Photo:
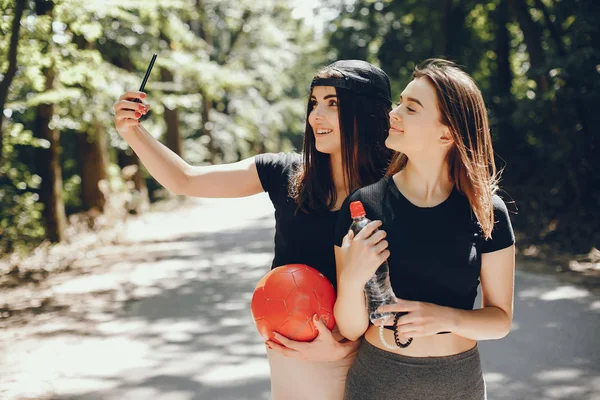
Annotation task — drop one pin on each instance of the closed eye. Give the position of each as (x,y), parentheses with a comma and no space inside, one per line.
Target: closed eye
(409,109)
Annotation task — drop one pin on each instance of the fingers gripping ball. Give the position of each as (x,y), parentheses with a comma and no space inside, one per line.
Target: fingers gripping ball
(286,299)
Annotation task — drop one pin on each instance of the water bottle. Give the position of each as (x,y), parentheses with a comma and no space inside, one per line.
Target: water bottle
(378,289)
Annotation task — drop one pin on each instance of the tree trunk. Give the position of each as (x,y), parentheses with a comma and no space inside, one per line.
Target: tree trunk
(555,30)
(447,26)
(502,82)
(172,136)
(48,160)
(92,153)
(200,25)
(557,36)
(129,159)
(49,168)
(92,160)
(532,36)
(207,128)
(235,36)
(201,29)
(12,65)
(502,47)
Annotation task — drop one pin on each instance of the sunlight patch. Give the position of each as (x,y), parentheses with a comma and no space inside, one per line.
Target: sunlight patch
(565,292)
(250,369)
(565,392)
(119,326)
(91,283)
(494,377)
(79,386)
(565,374)
(152,393)
(595,306)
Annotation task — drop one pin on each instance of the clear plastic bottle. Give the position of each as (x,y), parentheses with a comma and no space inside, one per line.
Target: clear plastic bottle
(378,289)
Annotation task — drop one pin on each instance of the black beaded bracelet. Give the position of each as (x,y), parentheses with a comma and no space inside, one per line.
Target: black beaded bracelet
(396,338)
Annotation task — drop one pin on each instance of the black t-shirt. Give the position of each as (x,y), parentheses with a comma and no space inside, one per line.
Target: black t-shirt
(435,253)
(299,237)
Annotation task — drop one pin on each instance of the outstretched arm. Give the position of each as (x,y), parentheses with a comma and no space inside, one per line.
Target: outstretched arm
(228,180)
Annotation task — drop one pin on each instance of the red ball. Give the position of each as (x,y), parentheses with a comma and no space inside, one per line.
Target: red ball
(286,299)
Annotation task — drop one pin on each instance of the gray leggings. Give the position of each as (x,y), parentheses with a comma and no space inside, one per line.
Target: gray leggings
(380,375)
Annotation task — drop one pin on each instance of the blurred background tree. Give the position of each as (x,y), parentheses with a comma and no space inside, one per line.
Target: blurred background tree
(231,80)
(537,63)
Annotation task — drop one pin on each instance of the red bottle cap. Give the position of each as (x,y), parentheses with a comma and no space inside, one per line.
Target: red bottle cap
(357,209)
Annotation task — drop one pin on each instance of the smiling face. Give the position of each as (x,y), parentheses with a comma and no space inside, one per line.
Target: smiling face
(415,124)
(451,120)
(324,119)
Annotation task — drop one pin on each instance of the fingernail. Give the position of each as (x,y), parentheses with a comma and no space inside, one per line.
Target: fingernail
(138,114)
(316,317)
(143,95)
(268,345)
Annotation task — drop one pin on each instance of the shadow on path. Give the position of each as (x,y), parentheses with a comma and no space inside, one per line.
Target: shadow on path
(169,320)
(553,350)
(166,316)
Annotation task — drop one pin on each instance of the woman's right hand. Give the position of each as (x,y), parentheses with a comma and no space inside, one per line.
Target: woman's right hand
(363,254)
(325,347)
(128,112)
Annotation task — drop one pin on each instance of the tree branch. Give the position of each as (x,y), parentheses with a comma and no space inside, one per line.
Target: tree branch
(12,63)
(236,35)
(532,36)
(554,30)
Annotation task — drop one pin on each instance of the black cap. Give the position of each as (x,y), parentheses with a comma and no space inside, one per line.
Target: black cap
(360,77)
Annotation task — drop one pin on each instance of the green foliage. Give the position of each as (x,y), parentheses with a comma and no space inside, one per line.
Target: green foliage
(542,119)
(238,73)
(250,61)
(21,213)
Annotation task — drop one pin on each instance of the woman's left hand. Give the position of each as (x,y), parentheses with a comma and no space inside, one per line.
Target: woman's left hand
(422,319)
(323,348)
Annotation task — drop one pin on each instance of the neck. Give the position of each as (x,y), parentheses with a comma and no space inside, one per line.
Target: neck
(426,181)
(337,173)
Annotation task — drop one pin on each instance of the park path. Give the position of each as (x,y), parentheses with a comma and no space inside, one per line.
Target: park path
(164,315)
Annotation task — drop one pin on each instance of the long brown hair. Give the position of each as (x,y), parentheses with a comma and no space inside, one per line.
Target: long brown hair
(471,158)
(364,126)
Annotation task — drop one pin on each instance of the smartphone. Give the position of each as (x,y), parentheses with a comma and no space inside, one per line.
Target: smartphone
(146,76)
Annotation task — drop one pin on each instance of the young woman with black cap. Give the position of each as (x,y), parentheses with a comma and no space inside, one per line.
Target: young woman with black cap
(444,230)
(343,150)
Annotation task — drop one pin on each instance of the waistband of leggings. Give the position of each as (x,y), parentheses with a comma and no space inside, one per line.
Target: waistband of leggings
(429,361)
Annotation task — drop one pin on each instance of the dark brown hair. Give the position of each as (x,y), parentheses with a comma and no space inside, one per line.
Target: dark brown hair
(471,158)
(364,126)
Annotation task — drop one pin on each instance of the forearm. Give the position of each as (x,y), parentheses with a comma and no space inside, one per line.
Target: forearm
(163,164)
(483,324)
(351,311)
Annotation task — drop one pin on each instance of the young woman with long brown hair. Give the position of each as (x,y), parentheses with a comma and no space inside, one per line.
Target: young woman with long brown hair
(443,231)
(343,150)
